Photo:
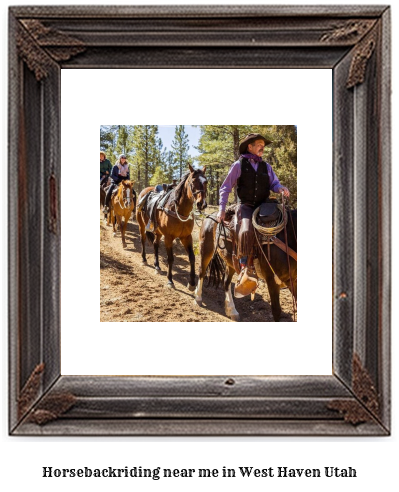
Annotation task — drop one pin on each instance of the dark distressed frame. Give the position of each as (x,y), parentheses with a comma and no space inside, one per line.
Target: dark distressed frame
(353,41)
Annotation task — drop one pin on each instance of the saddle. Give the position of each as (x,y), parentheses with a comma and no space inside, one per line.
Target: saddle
(115,191)
(268,215)
(229,232)
(153,201)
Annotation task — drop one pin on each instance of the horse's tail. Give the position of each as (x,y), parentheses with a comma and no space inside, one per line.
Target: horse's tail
(150,236)
(215,270)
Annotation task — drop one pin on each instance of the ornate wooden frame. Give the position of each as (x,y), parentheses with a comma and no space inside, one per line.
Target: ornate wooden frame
(353,41)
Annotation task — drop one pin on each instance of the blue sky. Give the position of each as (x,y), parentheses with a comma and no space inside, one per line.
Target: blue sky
(167,134)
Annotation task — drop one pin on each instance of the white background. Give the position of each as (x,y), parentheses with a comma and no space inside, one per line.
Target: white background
(196,97)
(22,458)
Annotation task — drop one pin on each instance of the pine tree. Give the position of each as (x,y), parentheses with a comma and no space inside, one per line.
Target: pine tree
(108,141)
(122,138)
(144,153)
(171,168)
(282,155)
(106,137)
(180,148)
(158,177)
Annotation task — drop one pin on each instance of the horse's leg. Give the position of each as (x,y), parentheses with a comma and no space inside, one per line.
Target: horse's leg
(274,291)
(229,305)
(187,242)
(169,251)
(118,220)
(122,226)
(156,251)
(141,222)
(112,215)
(207,246)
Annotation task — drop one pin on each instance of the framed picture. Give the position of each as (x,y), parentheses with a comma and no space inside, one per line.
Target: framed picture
(351,41)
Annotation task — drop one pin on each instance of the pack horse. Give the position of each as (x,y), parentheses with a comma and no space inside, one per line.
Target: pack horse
(171,216)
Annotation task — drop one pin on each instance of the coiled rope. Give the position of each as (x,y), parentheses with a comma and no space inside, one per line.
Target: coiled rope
(271,231)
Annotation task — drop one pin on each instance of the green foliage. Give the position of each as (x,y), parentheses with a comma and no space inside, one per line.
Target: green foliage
(282,155)
(114,141)
(158,177)
(180,148)
(145,153)
(169,165)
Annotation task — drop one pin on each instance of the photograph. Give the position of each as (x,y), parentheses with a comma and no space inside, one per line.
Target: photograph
(204,217)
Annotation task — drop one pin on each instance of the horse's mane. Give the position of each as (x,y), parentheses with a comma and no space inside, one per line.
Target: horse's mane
(180,187)
(127,183)
(178,191)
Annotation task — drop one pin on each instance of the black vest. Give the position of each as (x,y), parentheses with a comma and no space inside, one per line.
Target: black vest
(253,187)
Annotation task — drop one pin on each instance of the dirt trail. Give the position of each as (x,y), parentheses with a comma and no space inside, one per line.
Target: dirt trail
(130,291)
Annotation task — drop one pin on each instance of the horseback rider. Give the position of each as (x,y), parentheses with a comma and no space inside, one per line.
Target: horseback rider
(119,173)
(105,168)
(255,179)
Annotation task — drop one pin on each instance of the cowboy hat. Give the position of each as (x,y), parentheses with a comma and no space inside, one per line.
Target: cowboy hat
(250,138)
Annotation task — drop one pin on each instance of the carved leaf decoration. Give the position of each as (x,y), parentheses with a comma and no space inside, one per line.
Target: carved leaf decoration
(36,43)
(35,57)
(52,407)
(363,53)
(363,386)
(351,31)
(364,389)
(352,411)
(63,54)
(30,391)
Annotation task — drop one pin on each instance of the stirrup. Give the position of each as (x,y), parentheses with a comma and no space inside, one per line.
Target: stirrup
(247,282)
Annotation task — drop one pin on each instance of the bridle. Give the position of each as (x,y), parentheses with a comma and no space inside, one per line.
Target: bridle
(193,195)
(126,202)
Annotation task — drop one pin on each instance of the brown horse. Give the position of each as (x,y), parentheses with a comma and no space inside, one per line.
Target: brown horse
(217,253)
(121,207)
(175,221)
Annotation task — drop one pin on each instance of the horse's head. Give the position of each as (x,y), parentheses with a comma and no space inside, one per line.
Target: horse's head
(197,184)
(127,187)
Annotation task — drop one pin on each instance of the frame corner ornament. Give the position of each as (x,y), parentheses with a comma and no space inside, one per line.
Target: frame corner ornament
(40,46)
(30,391)
(361,56)
(51,408)
(367,404)
(351,31)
